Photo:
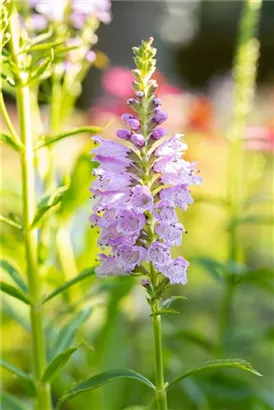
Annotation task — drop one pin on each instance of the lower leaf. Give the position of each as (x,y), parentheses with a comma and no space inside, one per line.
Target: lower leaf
(103,378)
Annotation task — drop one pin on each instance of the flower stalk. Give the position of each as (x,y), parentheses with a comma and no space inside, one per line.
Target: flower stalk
(244,75)
(43,396)
(138,185)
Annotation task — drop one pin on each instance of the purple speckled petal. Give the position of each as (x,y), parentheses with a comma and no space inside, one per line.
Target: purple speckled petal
(130,223)
(159,255)
(179,195)
(141,198)
(171,234)
(176,271)
(164,211)
(108,267)
(128,257)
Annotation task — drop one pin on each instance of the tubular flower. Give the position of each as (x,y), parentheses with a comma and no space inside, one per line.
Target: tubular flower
(140,181)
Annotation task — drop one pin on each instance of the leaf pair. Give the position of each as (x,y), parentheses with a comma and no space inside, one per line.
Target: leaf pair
(116,374)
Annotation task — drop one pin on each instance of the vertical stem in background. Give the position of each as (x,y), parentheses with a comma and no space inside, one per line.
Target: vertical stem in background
(244,74)
(159,367)
(43,397)
(30,236)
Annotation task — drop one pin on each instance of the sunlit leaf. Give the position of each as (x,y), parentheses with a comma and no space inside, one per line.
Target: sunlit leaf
(103,378)
(47,203)
(216,364)
(10,222)
(27,379)
(57,363)
(67,333)
(40,70)
(7,139)
(13,272)
(14,292)
(9,402)
(82,130)
(83,275)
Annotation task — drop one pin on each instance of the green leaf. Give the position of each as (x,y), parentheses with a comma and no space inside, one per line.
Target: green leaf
(83,275)
(215,268)
(14,292)
(40,70)
(9,80)
(67,333)
(7,139)
(10,222)
(57,363)
(41,47)
(168,302)
(164,311)
(252,219)
(47,203)
(12,271)
(216,364)
(103,378)
(20,374)
(82,130)
(9,402)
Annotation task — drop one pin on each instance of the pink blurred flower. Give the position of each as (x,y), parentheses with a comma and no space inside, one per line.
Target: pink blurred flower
(260,138)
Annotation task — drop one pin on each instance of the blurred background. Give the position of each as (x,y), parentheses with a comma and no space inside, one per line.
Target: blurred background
(196,42)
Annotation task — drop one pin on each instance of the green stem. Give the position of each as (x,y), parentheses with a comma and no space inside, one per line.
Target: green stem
(244,74)
(159,367)
(30,237)
(43,397)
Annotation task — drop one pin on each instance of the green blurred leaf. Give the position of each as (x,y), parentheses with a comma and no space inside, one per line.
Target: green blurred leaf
(216,364)
(9,402)
(14,292)
(66,335)
(262,277)
(82,130)
(47,203)
(103,378)
(40,38)
(163,312)
(27,379)
(57,363)
(78,192)
(40,70)
(213,267)
(168,302)
(8,79)
(7,139)
(13,272)
(10,222)
(83,275)
(192,337)
(252,219)
(41,47)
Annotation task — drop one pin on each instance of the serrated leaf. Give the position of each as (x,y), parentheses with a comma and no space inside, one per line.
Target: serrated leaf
(12,271)
(47,203)
(67,333)
(103,378)
(163,312)
(57,363)
(216,364)
(7,139)
(83,275)
(20,374)
(9,402)
(14,292)
(82,130)
(171,300)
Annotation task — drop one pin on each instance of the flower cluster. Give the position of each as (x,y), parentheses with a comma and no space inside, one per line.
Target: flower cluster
(77,11)
(138,185)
